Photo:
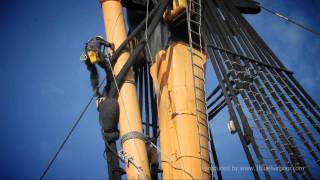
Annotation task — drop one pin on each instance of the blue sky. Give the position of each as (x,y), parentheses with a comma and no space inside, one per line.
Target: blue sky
(44,86)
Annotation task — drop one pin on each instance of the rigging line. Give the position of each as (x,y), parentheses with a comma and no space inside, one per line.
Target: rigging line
(147,72)
(266,83)
(291,21)
(115,25)
(69,134)
(146,34)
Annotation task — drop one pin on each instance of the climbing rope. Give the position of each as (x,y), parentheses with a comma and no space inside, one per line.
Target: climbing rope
(69,134)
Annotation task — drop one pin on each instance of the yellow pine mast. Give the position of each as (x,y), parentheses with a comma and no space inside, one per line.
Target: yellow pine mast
(129,119)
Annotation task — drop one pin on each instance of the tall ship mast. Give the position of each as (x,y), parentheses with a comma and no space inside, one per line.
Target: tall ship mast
(154,108)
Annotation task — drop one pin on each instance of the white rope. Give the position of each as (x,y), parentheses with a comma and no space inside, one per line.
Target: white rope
(114,26)
(146,34)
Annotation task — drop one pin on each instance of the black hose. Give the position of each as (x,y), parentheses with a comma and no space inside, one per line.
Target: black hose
(146,102)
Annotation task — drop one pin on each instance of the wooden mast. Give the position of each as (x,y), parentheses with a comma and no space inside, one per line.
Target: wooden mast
(130,119)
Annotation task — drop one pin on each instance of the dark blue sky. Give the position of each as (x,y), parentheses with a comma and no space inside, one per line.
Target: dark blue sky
(44,86)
